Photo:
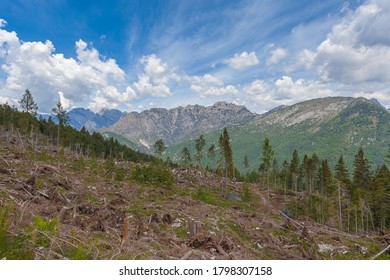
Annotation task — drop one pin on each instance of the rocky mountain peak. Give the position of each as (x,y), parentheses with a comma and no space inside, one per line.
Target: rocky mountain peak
(178,124)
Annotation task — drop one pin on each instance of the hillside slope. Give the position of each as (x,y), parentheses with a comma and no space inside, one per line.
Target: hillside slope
(329,127)
(60,206)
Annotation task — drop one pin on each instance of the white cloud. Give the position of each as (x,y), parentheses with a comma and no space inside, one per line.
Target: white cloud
(263,95)
(155,77)
(66,103)
(87,80)
(277,55)
(357,51)
(209,85)
(243,60)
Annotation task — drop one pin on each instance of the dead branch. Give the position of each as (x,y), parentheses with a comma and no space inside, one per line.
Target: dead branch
(186,255)
(43,194)
(381,252)
(221,251)
(5,161)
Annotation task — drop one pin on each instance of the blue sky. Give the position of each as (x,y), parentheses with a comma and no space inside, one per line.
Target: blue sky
(134,55)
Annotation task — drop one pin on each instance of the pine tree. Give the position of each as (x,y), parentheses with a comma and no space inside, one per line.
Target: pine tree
(294,170)
(267,158)
(361,176)
(159,148)
(63,118)
(328,187)
(226,153)
(199,145)
(28,104)
(388,155)
(186,156)
(211,153)
(381,198)
(61,114)
(342,172)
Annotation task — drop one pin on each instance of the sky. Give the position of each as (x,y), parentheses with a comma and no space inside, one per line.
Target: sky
(133,55)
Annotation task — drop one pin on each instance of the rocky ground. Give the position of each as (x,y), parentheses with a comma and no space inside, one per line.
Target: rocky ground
(55,205)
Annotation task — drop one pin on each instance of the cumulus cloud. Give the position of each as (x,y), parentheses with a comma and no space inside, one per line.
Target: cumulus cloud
(264,95)
(209,85)
(243,60)
(276,56)
(155,77)
(88,79)
(357,50)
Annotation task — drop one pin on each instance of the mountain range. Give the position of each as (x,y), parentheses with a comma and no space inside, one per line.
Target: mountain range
(80,117)
(329,127)
(178,124)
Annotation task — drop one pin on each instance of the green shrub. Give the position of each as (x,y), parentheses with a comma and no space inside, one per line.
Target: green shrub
(13,246)
(153,174)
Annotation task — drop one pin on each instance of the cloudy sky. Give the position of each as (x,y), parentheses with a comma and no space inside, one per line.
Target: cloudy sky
(134,55)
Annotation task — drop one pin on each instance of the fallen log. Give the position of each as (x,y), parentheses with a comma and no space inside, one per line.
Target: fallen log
(186,255)
(381,252)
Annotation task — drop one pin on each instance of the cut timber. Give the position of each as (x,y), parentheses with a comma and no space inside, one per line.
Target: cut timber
(381,252)
(186,255)
(221,251)
(5,160)
(125,235)
(62,214)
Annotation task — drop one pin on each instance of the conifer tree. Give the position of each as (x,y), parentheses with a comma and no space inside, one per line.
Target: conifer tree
(28,104)
(199,145)
(342,172)
(381,198)
(63,118)
(326,181)
(61,114)
(186,156)
(267,158)
(159,148)
(361,176)
(294,170)
(226,153)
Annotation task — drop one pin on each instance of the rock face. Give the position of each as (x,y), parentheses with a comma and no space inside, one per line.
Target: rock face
(311,111)
(178,124)
(80,117)
(329,127)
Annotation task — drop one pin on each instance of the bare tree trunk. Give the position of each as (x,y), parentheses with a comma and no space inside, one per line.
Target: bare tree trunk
(340,213)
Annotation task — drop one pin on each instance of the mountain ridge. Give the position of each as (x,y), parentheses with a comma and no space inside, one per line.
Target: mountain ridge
(178,124)
(329,127)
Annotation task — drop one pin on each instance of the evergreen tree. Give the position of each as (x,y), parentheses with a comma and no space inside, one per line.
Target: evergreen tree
(381,198)
(361,176)
(342,172)
(159,148)
(63,119)
(211,153)
(388,155)
(226,153)
(267,158)
(61,114)
(28,104)
(309,167)
(199,145)
(186,156)
(327,185)
(294,170)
